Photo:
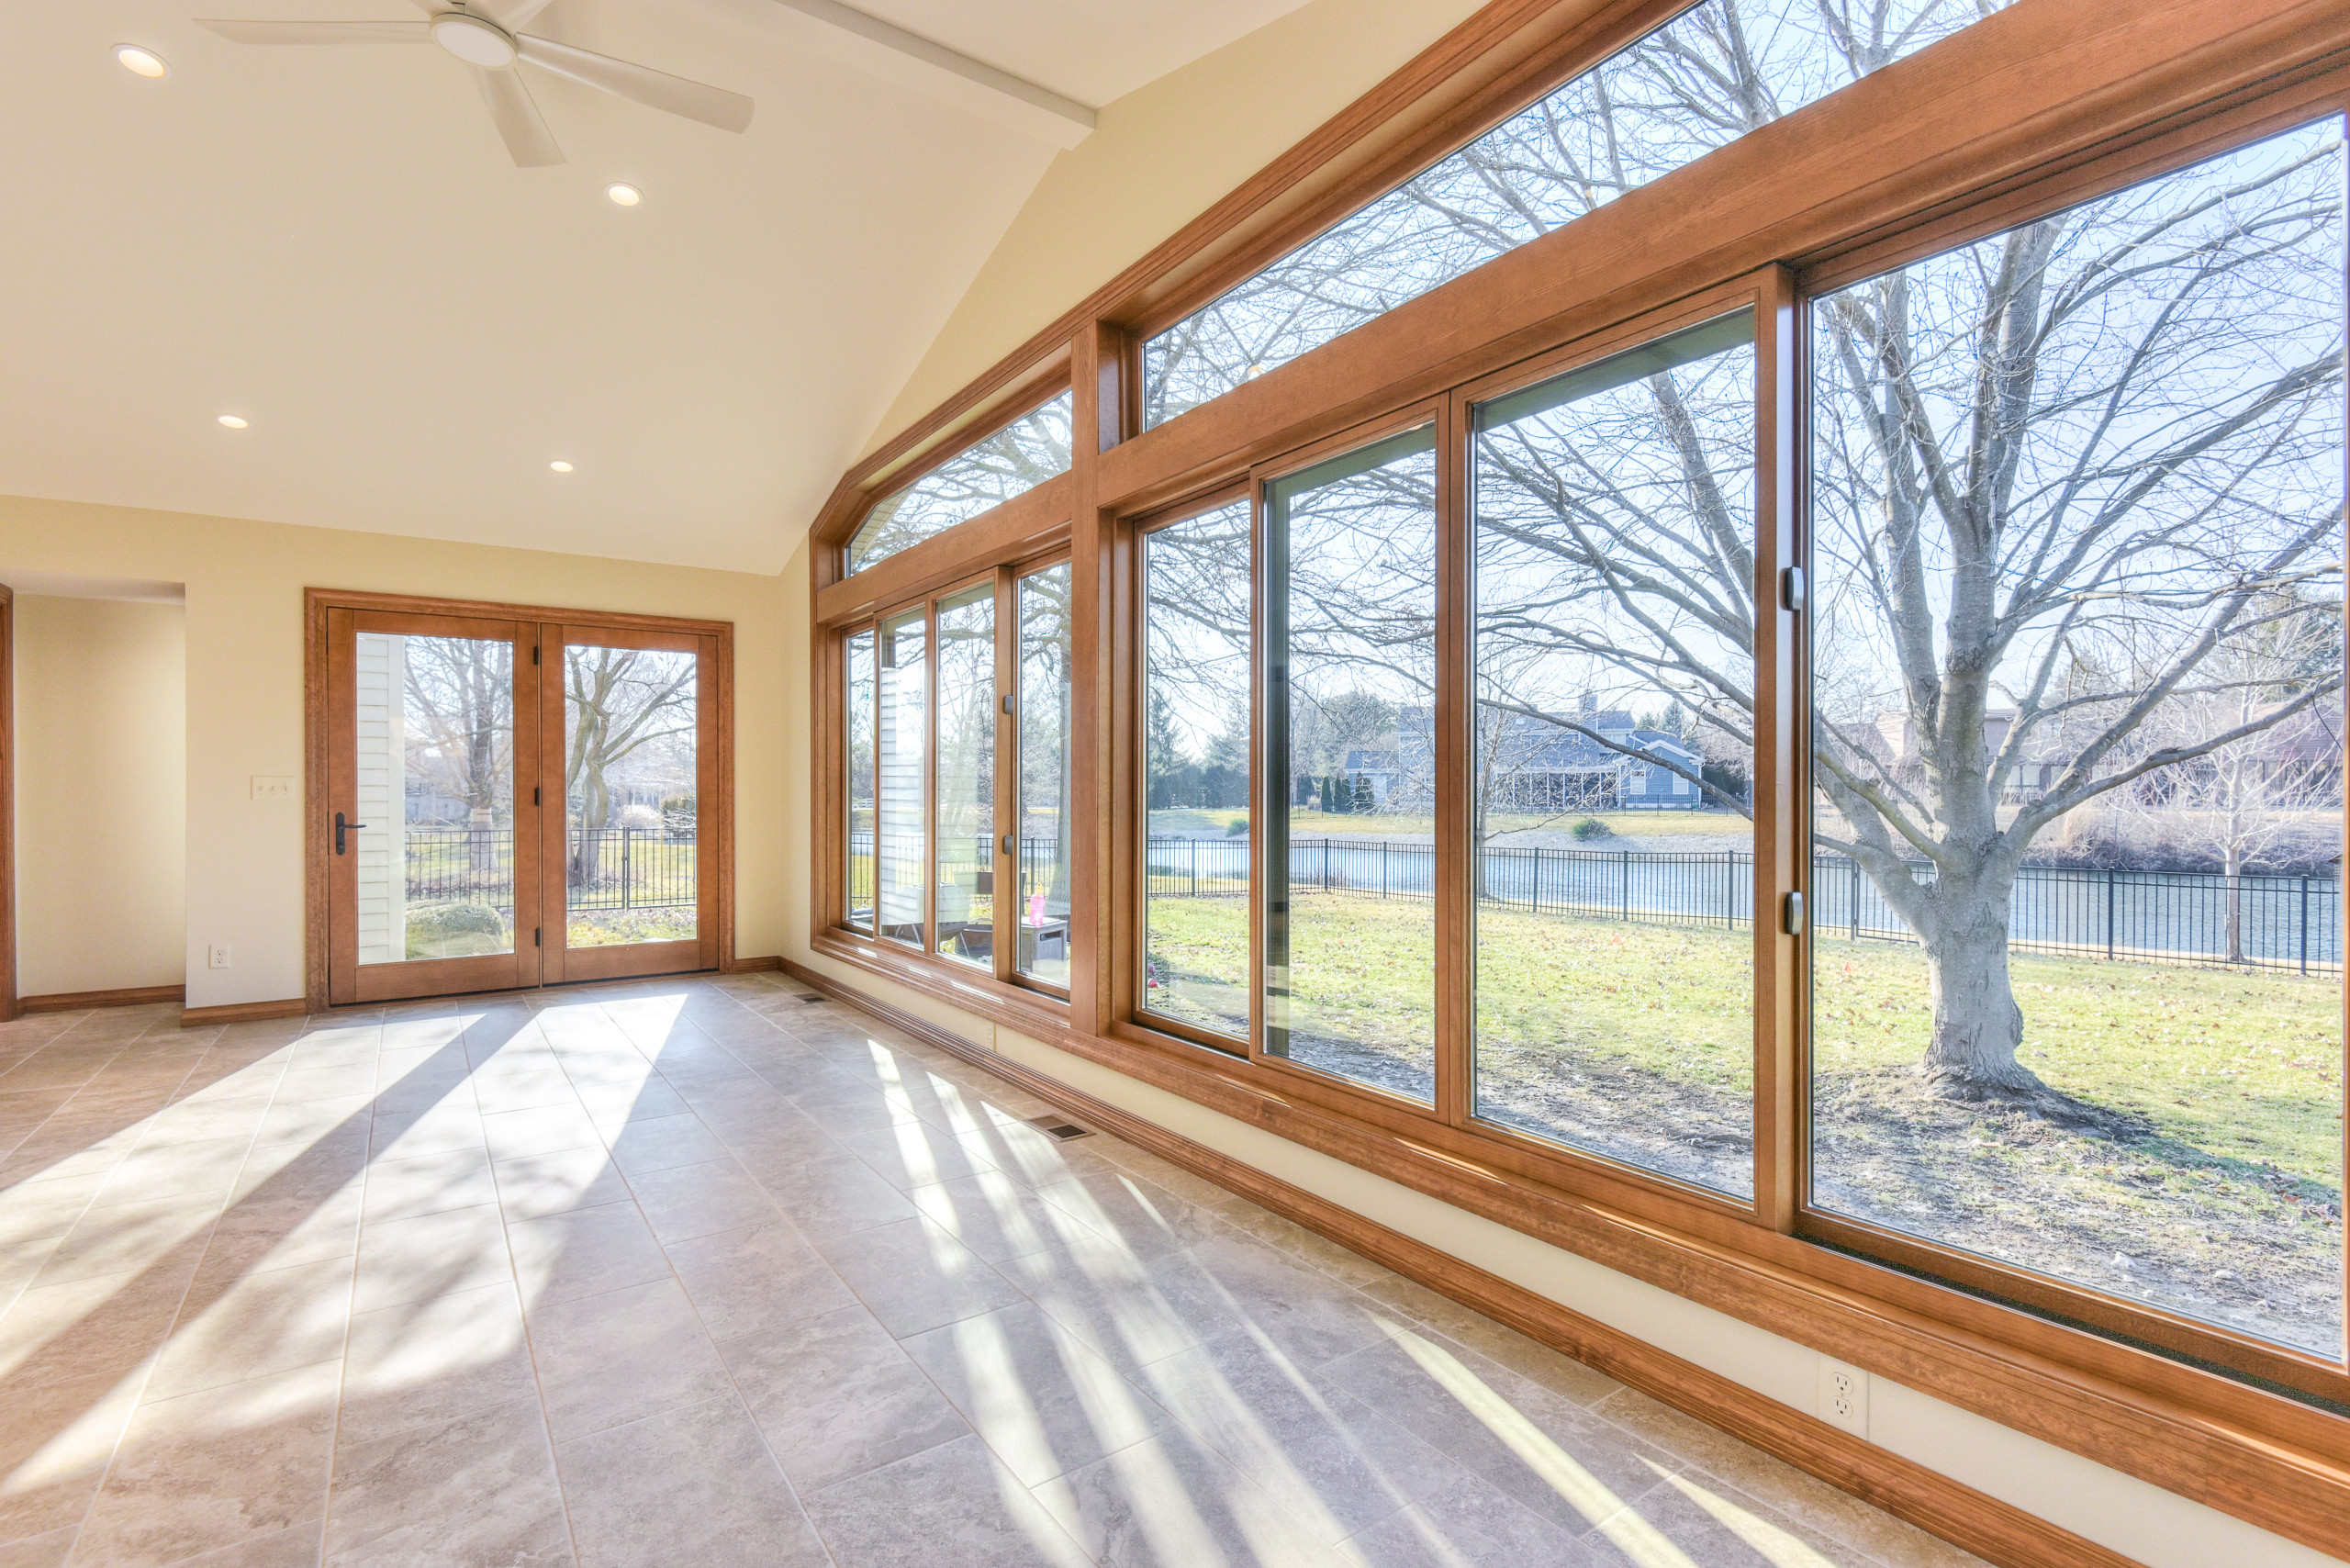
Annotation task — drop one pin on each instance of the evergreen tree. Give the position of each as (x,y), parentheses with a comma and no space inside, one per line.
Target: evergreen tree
(1365,801)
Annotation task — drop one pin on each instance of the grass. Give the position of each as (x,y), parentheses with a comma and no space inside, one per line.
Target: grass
(1315,825)
(2215,1188)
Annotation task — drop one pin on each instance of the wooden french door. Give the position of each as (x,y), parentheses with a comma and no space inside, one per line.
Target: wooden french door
(514,803)
(631,753)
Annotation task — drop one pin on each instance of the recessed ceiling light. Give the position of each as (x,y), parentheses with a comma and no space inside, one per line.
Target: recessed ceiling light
(560,466)
(139,62)
(625,195)
(234,422)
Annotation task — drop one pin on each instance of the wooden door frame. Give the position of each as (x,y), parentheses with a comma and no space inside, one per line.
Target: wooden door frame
(717,822)
(8,1005)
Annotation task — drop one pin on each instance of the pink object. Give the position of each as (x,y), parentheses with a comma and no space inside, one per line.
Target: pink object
(1037,909)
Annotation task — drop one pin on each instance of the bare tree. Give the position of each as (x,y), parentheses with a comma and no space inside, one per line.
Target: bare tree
(460,717)
(617,702)
(1016,459)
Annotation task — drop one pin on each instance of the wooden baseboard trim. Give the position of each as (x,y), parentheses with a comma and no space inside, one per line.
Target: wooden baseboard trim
(76,1001)
(244,1012)
(750,965)
(1998,1532)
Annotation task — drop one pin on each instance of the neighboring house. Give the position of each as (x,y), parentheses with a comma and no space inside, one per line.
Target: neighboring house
(1608,764)
(2300,749)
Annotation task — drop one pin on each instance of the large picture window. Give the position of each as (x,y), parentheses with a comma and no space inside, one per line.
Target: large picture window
(1197,602)
(1612,784)
(1350,908)
(1014,460)
(1793,742)
(2079,513)
(1710,75)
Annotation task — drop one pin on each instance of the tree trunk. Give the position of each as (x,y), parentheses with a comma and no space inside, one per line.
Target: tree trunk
(1978,1026)
(2235,898)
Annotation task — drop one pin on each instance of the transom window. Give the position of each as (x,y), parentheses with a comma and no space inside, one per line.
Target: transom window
(1014,460)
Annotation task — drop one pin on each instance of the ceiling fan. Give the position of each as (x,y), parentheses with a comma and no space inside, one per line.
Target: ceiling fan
(486,35)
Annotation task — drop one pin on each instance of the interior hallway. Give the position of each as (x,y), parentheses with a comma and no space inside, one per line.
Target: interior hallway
(699,1272)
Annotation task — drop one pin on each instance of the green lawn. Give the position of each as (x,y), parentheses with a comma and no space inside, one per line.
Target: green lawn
(1315,825)
(2217,1192)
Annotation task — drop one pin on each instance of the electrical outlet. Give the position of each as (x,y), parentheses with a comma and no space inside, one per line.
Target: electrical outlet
(217,956)
(991,1044)
(1844,1396)
(273,786)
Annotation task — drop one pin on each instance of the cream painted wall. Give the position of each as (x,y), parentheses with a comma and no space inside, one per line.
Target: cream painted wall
(101,794)
(244,712)
(1159,158)
(1162,155)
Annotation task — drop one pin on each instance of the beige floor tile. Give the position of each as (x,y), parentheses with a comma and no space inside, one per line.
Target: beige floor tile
(215,1469)
(541,1130)
(427,1184)
(682,1202)
(1171,1502)
(178,1171)
(105,1325)
(834,1195)
(913,1276)
(998,1217)
(1467,1524)
(54,1447)
(1144,1217)
(691,1486)
(39,1552)
(540,1184)
(659,1143)
(423,1362)
(763,1276)
(584,1252)
(836,1396)
(415,1259)
(265,1322)
(1045,1400)
(471,1493)
(607,1359)
(954,1503)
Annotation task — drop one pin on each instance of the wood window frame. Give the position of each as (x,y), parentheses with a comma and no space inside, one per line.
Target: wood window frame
(1001,981)
(2034,108)
(714,853)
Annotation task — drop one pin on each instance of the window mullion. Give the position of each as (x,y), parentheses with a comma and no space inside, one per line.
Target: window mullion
(1453,701)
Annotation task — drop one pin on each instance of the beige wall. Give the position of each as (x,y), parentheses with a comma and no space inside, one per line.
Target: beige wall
(245,582)
(1163,154)
(101,794)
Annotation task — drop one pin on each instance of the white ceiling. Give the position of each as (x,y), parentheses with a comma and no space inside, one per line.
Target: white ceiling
(333,243)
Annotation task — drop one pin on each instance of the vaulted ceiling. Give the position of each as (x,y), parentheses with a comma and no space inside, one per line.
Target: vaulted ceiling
(333,244)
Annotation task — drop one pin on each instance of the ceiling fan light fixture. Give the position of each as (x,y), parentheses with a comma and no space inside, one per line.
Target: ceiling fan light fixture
(139,62)
(473,40)
(623,194)
(560,466)
(234,422)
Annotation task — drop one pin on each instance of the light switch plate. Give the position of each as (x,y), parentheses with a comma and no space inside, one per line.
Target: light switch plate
(273,786)
(1844,1396)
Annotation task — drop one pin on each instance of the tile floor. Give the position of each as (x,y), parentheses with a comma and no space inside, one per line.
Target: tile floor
(699,1273)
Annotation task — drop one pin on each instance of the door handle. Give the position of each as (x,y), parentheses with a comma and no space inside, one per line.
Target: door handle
(340,827)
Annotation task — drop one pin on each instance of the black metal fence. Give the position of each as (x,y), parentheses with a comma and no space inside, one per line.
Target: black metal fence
(2263,922)
(616,867)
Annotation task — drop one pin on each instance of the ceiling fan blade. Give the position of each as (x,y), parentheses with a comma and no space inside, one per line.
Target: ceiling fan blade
(322,32)
(640,84)
(527,136)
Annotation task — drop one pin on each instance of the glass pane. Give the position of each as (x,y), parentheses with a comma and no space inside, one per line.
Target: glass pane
(436,790)
(1015,460)
(630,742)
(1044,774)
(1703,80)
(1611,797)
(967,707)
(1197,603)
(1350,670)
(859,710)
(904,731)
(2078,654)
